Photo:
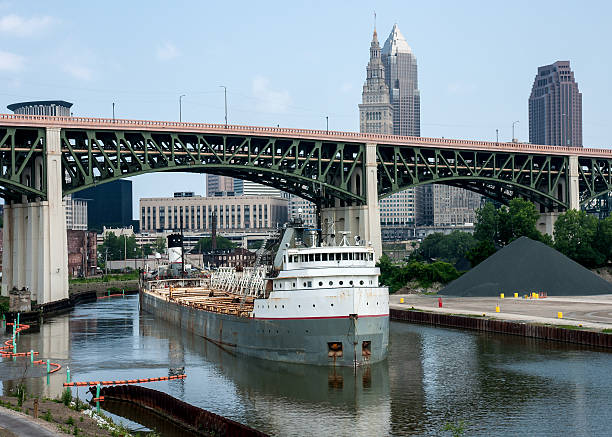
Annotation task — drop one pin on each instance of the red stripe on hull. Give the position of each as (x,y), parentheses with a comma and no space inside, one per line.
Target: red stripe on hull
(311,318)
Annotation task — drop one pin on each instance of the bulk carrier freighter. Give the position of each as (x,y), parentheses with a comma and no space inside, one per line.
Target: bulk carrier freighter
(324,306)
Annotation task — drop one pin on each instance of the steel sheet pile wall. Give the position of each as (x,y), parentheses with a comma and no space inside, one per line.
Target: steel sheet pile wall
(577,336)
(185,414)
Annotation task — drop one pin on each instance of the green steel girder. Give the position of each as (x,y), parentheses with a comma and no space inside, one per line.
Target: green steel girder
(315,169)
(310,169)
(594,178)
(21,163)
(498,175)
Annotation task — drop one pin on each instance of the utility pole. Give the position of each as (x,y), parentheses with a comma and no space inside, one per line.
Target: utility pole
(181,107)
(225,96)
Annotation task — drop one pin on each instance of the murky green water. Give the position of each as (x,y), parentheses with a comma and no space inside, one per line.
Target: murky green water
(498,385)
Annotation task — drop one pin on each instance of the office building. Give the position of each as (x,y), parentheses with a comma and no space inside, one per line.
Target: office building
(555,107)
(220,185)
(82,253)
(108,204)
(76,213)
(303,208)
(195,213)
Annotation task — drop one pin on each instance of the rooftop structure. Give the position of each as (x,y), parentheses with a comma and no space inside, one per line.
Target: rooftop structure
(42,107)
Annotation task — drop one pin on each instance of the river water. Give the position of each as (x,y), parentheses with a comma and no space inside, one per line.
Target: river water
(496,385)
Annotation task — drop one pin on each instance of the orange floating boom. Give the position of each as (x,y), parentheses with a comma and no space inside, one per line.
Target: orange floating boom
(123,381)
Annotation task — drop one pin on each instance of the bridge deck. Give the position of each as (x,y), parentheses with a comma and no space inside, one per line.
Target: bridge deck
(319,135)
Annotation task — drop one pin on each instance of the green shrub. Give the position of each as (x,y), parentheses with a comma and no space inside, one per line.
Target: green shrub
(66,396)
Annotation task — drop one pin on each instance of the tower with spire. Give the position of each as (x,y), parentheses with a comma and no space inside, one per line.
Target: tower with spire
(375,111)
(402,79)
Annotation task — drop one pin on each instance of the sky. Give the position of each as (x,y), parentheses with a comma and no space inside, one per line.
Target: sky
(294,63)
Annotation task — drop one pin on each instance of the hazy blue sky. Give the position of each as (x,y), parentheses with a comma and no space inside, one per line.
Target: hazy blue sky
(292,64)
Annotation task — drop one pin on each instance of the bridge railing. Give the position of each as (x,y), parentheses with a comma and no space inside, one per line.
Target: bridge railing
(382,139)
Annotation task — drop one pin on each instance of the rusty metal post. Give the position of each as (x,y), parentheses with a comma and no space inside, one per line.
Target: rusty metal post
(36,408)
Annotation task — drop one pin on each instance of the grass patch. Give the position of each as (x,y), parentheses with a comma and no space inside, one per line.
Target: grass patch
(106,278)
(568,327)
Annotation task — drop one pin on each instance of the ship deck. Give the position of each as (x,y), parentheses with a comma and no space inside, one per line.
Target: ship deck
(205,299)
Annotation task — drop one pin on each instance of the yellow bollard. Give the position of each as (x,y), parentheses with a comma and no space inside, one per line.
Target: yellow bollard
(401,300)
(515,295)
(497,309)
(501,295)
(559,315)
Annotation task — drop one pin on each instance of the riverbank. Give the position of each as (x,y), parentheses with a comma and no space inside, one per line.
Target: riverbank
(584,320)
(54,418)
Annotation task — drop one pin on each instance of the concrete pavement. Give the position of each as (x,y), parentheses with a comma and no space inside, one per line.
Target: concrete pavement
(13,423)
(592,312)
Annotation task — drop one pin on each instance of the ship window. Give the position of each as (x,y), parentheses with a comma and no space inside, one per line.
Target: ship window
(350,282)
(320,284)
(275,306)
(311,257)
(331,283)
(361,282)
(323,257)
(310,283)
(350,255)
(341,282)
(294,285)
(317,257)
(304,284)
(338,257)
(332,304)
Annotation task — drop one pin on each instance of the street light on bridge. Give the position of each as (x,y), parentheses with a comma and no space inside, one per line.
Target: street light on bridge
(225,96)
(513,123)
(181,107)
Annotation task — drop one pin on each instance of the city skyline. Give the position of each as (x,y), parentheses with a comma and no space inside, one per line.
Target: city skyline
(461,63)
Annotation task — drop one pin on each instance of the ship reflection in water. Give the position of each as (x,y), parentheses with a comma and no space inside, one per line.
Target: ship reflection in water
(499,385)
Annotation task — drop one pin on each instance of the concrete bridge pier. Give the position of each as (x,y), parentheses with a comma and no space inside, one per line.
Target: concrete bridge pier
(34,238)
(363,220)
(571,189)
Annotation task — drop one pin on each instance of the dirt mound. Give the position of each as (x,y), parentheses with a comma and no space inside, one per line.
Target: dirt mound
(525,266)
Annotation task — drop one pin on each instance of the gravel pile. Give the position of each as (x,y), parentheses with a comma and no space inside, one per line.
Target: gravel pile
(526,266)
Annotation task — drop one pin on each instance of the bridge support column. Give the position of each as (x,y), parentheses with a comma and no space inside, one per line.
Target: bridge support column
(34,238)
(363,221)
(573,189)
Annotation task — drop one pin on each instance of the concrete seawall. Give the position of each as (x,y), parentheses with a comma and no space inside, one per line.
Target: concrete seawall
(101,288)
(577,336)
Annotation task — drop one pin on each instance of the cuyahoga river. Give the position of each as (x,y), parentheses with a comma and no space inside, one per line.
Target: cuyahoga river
(496,385)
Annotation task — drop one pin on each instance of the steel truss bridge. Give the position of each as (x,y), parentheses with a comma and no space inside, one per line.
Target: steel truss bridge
(317,165)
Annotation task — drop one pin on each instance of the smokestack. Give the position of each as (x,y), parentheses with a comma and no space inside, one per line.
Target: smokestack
(214,232)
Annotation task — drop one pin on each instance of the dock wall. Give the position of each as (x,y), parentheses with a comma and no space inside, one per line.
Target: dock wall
(544,332)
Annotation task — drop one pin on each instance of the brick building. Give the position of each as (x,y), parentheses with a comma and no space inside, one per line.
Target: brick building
(82,253)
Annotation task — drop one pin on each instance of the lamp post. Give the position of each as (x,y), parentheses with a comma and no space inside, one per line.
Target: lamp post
(225,97)
(181,107)
(513,123)
(113,112)
(327,123)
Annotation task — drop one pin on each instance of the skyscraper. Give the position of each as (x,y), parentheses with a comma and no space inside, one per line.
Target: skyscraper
(376,115)
(555,107)
(402,80)
(429,204)
(375,111)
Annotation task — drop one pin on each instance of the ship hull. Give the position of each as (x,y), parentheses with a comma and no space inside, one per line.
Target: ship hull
(363,340)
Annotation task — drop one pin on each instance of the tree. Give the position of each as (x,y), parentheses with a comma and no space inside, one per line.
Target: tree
(577,235)
(118,246)
(450,248)
(487,220)
(205,244)
(504,225)
(480,252)
(160,245)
